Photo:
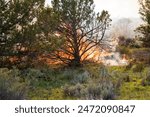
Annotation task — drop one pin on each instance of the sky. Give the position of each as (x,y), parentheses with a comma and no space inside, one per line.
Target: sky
(117,8)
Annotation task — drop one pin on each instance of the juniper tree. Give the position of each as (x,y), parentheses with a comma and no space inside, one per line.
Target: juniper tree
(144,29)
(81,27)
(16,29)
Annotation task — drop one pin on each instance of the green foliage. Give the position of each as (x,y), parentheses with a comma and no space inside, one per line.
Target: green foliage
(123,50)
(80,78)
(11,85)
(146,79)
(98,71)
(91,90)
(57,94)
(138,67)
(44,74)
(126,42)
(77,21)
(49,82)
(125,45)
(46,26)
(140,55)
(91,85)
(135,87)
(90,82)
(102,90)
(17,30)
(82,84)
(73,91)
(119,76)
(144,29)
(27,30)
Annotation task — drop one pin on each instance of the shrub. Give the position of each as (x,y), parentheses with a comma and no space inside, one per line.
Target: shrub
(91,91)
(56,94)
(32,73)
(108,91)
(11,86)
(68,74)
(146,80)
(37,74)
(123,50)
(80,78)
(140,55)
(103,72)
(138,67)
(102,90)
(100,72)
(73,91)
(119,77)
(126,77)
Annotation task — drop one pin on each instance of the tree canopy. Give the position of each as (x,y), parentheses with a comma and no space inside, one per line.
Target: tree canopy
(144,29)
(68,31)
(81,27)
(16,26)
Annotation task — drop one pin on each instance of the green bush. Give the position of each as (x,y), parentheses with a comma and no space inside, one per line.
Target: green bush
(140,55)
(43,74)
(73,91)
(80,77)
(125,77)
(11,86)
(146,80)
(103,72)
(103,90)
(123,50)
(138,67)
(91,90)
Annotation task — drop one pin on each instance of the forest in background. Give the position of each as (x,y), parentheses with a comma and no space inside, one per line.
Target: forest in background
(60,52)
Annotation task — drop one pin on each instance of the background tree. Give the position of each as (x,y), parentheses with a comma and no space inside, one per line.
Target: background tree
(81,28)
(122,27)
(144,29)
(46,25)
(17,29)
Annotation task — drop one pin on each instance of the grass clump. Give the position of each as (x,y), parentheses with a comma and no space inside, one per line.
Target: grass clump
(138,67)
(146,80)
(96,85)
(11,85)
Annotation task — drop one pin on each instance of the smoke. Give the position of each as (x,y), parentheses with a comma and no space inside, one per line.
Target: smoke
(114,59)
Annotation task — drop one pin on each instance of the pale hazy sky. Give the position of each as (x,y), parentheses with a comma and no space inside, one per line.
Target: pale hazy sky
(117,8)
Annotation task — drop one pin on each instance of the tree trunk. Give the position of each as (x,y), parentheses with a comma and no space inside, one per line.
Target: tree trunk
(77,60)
